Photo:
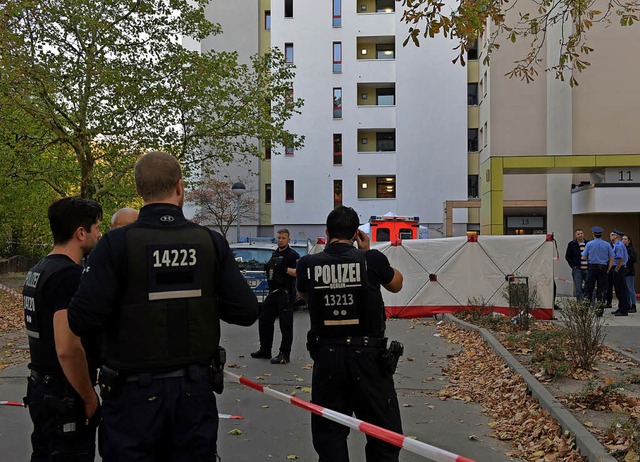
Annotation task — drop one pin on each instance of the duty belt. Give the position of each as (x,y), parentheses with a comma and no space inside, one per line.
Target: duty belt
(355,341)
(47,379)
(192,371)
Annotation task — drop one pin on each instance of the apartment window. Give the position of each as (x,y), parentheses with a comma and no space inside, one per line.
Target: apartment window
(288,151)
(385,6)
(267,20)
(385,96)
(288,99)
(337,57)
(288,8)
(385,51)
(337,13)
(288,53)
(485,135)
(337,193)
(337,149)
(472,94)
(473,50)
(267,193)
(385,141)
(288,190)
(472,186)
(386,187)
(267,151)
(337,103)
(472,139)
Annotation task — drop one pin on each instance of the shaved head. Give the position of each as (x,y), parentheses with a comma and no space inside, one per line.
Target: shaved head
(123,217)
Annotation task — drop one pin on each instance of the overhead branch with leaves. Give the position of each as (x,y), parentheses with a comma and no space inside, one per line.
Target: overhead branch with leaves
(514,20)
(104,81)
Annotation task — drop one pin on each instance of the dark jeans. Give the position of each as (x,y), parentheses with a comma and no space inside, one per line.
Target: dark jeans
(579,278)
(276,305)
(167,420)
(59,430)
(350,379)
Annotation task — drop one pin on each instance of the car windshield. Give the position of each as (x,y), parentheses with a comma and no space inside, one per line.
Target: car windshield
(252,259)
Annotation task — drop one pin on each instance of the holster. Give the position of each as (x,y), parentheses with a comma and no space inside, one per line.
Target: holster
(110,382)
(217,367)
(391,355)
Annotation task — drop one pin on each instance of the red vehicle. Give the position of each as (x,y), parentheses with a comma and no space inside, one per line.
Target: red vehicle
(392,228)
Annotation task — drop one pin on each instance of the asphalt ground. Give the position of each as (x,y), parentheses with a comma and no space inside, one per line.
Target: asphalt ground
(273,430)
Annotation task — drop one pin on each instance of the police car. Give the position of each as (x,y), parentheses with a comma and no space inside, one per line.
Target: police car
(252,257)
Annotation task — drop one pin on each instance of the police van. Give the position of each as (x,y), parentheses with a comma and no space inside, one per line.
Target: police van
(252,257)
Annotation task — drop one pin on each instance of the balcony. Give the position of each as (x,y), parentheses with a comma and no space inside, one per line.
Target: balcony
(376,47)
(377,140)
(376,94)
(375,6)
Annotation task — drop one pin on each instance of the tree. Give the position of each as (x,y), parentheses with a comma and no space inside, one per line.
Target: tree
(98,83)
(519,19)
(218,206)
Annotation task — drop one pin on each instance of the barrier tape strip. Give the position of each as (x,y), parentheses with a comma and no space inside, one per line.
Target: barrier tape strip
(11,291)
(396,439)
(18,404)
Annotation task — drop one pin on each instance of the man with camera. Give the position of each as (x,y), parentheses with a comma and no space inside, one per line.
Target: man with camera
(353,368)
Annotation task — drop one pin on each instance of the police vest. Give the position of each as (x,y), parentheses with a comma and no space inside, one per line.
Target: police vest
(168,316)
(341,301)
(277,280)
(38,317)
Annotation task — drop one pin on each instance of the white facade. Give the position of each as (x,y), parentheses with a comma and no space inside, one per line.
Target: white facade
(429,117)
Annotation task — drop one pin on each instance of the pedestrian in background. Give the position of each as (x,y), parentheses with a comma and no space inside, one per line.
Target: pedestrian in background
(599,256)
(631,271)
(579,267)
(123,217)
(158,289)
(281,276)
(60,429)
(353,368)
(620,258)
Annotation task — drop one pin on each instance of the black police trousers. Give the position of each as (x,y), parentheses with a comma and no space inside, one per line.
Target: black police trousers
(350,380)
(59,430)
(160,420)
(277,304)
(596,279)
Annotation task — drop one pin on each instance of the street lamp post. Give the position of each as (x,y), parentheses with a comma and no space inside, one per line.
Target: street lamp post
(238,189)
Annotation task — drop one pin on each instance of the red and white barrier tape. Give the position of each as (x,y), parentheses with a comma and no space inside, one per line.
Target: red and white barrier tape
(11,291)
(11,403)
(415,446)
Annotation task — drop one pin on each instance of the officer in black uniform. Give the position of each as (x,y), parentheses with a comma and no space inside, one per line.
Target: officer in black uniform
(281,275)
(60,429)
(353,368)
(159,288)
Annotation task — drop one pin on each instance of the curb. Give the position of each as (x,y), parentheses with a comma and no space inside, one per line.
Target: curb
(587,444)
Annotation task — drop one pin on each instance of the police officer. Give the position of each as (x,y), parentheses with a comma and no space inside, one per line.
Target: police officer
(60,430)
(620,259)
(158,288)
(353,369)
(281,276)
(599,256)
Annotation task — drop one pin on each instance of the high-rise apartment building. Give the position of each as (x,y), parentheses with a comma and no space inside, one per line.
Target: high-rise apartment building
(386,126)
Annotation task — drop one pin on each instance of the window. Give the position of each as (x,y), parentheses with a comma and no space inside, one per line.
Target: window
(288,190)
(386,187)
(337,103)
(472,94)
(385,6)
(337,193)
(288,99)
(267,193)
(337,57)
(267,20)
(473,50)
(385,141)
(288,53)
(472,139)
(485,135)
(472,186)
(337,149)
(288,8)
(267,151)
(337,13)
(385,96)
(385,51)
(288,151)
